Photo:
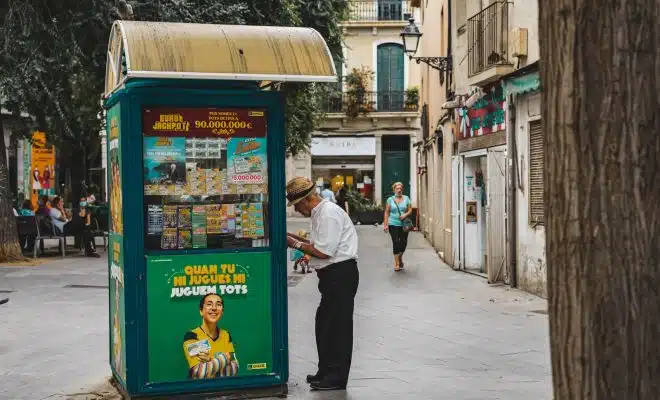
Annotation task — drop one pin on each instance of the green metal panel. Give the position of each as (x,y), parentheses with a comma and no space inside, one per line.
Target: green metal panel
(185,93)
(396,168)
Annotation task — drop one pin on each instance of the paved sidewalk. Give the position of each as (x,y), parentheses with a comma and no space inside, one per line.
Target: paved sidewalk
(426,333)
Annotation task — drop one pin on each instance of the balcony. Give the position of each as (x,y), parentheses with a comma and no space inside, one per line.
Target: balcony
(354,104)
(488,39)
(378,12)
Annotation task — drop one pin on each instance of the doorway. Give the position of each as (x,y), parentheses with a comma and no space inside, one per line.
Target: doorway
(395,165)
(479,212)
(474,220)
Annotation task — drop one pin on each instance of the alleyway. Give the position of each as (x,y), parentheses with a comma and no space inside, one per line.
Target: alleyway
(426,333)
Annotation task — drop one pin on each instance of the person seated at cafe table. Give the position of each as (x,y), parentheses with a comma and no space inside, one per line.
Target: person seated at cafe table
(43,208)
(78,224)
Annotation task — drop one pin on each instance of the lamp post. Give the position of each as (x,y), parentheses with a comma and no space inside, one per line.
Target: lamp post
(410,36)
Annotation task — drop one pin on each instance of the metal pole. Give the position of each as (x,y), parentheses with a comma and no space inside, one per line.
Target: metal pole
(512,215)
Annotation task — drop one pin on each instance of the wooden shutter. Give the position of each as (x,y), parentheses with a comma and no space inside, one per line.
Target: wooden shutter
(536,161)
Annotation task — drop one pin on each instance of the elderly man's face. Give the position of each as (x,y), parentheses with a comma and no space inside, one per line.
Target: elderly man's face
(304,207)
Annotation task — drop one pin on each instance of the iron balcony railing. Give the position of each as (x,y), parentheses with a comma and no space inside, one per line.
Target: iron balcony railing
(488,38)
(368,102)
(379,10)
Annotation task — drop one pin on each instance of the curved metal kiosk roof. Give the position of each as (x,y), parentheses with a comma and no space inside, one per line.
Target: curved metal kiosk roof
(139,49)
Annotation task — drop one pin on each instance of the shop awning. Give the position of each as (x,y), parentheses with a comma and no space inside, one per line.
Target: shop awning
(524,80)
(140,49)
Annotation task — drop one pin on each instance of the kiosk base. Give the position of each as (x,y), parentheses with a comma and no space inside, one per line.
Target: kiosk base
(280,391)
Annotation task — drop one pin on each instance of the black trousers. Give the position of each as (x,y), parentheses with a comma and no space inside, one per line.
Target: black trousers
(338,284)
(399,239)
(77,227)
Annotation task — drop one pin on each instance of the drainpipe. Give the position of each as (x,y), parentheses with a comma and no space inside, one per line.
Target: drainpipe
(512,214)
(449,73)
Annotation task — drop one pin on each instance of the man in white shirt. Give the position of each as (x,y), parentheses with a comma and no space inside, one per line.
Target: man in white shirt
(333,247)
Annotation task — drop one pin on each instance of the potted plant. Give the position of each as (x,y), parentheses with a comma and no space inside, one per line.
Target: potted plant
(412,99)
(357,82)
(371,213)
(364,210)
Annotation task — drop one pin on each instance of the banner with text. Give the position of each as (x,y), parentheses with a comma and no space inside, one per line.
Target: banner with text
(204,122)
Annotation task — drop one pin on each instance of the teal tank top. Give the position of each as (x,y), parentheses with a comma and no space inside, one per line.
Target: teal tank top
(394,219)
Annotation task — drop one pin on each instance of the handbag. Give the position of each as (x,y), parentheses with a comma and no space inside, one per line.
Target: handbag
(407,223)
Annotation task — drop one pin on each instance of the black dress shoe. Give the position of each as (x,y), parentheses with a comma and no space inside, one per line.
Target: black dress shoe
(314,378)
(327,385)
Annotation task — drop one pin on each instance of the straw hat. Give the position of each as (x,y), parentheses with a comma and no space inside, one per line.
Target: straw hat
(297,189)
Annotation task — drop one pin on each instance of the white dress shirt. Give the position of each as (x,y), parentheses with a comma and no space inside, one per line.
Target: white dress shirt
(333,234)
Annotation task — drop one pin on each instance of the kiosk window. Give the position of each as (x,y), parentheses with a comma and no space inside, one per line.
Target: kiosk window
(205,178)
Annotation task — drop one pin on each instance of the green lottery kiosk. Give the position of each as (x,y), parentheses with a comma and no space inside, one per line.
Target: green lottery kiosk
(197,261)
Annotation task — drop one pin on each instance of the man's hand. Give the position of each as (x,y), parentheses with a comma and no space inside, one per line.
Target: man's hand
(296,237)
(291,242)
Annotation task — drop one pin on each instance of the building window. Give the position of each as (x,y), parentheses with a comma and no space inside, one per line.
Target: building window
(536,168)
(390,77)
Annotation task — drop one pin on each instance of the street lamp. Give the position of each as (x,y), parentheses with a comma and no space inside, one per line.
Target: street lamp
(410,36)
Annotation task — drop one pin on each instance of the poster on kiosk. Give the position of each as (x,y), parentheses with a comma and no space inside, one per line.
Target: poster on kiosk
(206,187)
(197,261)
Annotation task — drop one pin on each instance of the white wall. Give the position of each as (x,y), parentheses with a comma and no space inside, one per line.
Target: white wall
(300,165)
(531,260)
(525,14)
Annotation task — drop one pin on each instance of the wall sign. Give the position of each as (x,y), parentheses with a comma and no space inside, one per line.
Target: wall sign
(203,122)
(343,146)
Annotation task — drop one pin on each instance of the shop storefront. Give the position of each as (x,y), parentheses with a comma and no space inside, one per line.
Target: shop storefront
(479,179)
(346,160)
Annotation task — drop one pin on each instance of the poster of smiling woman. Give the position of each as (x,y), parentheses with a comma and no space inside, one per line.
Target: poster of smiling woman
(208,348)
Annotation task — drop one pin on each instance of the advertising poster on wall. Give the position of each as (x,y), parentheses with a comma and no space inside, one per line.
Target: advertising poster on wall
(247,160)
(114,180)
(116,244)
(223,324)
(117,307)
(205,178)
(165,160)
(42,170)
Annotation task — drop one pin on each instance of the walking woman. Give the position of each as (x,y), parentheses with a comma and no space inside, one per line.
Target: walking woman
(397,211)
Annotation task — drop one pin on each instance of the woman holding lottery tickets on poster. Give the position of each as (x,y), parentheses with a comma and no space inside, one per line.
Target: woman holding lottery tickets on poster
(208,349)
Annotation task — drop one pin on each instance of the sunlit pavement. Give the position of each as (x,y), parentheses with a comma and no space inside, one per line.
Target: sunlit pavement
(426,333)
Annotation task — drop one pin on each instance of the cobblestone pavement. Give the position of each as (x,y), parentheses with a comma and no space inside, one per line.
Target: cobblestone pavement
(426,333)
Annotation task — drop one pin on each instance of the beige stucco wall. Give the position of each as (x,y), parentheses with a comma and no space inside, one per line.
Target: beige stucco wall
(531,239)
(522,14)
(360,50)
(435,186)
(525,14)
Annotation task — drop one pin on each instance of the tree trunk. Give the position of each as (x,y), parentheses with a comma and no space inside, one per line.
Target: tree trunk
(600,74)
(10,250)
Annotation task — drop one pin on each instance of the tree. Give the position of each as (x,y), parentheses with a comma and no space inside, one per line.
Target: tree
(10,250)
(53,55)
(600,71)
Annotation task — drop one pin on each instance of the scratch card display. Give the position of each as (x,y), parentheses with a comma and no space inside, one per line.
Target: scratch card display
(154,220)
(247,160)
(185,217)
